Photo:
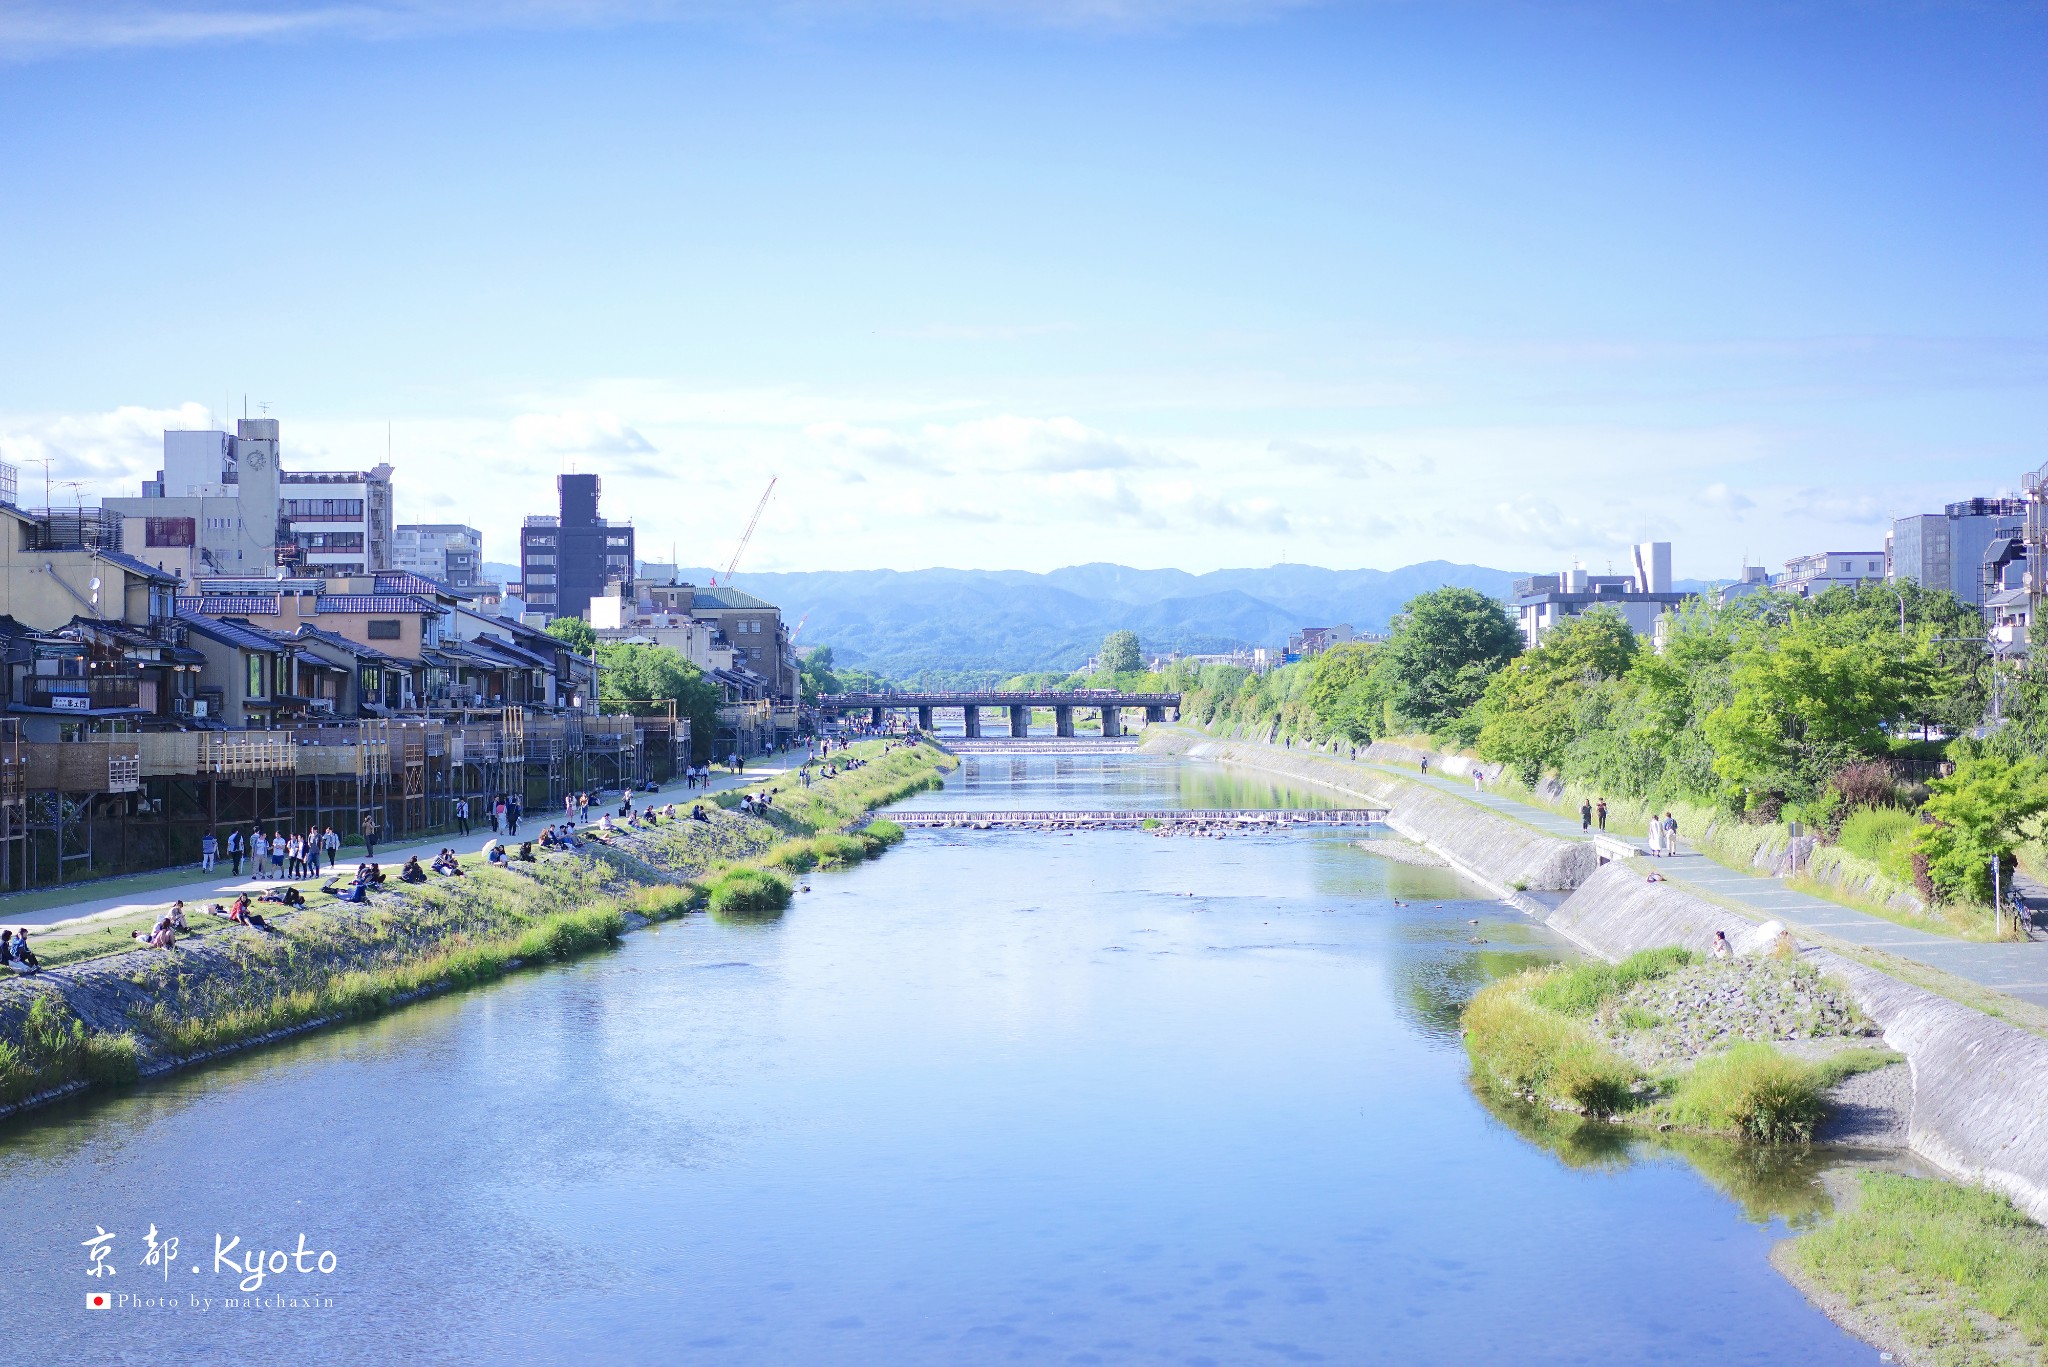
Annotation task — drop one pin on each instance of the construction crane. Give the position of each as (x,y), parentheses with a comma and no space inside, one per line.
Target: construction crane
(747,535)
(799,628)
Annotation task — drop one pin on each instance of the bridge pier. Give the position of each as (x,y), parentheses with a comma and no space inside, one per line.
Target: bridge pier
(1153,714)
(970,721)
(1020,721)
(878,715)
(1063,721)
(1112,721)
(924,718)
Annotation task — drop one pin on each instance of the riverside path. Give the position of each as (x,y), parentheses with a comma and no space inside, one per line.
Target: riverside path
(2016,968)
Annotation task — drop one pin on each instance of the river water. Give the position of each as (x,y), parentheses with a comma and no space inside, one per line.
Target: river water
(1106,1097)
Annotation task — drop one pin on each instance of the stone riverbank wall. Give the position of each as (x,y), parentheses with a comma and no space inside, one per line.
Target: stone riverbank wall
(1980,1086)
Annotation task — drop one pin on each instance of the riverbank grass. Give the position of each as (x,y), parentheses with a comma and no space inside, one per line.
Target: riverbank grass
(1954,1274)
(1561,1036)
(226,985)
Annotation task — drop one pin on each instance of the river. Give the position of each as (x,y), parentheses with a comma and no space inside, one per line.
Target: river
(1106,1097)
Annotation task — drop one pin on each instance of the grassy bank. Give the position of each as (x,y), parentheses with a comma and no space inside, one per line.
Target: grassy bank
(1951,1275)
(1834,873)
(1563,1037)
(107,1018)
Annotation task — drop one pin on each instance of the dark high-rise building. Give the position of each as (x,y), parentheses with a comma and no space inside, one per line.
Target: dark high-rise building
(566,560)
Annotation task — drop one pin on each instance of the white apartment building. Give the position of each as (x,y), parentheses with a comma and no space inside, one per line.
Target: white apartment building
(445,551)
(222,506)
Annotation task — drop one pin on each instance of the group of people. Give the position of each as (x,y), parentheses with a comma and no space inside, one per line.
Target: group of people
(1663,829)
(15,955)
(280,854)
(697,776)
(757,804)
(368,875)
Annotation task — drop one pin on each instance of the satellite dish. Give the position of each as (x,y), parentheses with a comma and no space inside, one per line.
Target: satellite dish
(95,590)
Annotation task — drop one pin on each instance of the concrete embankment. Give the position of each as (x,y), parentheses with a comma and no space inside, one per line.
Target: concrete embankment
(1980,1086)
(1498,851)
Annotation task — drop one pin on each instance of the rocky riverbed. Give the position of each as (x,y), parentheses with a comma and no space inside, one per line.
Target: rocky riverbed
(1670,1021)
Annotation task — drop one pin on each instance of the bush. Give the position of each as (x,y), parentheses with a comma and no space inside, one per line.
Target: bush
(836,851)
(1580,989)
(1528,1050)
(1863,786)
(742,894)
(1753,1091)
(1884,836)
(797,856)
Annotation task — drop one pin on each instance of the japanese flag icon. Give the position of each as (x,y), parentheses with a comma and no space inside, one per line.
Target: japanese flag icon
(98,1300)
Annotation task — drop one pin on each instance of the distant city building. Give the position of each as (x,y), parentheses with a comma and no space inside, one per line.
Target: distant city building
(1753,579)
(568,559)
(1310,642)
(1542,601)
(221,504)
(1946,550)
(444,551)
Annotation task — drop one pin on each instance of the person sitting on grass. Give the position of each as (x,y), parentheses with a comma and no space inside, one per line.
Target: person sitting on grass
(526,852)
(1723,951)
(371,874)
(412,872)
(162,935)
(15,954)
(697,814)
(494,853)
(354,892)
(177,915)
(285,896)
(447,865)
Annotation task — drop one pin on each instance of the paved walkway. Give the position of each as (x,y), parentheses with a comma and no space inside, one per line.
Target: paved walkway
(218,886)
(2019,969)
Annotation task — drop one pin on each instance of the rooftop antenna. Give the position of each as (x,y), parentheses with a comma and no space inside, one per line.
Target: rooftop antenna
(43,461)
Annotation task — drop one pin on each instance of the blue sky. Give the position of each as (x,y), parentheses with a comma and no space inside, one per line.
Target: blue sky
(1007,284)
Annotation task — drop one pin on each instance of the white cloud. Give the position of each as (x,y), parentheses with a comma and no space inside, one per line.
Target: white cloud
(110,451)
(579,433)
(1726,499)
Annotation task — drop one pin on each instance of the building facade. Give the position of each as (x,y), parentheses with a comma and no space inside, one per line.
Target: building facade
(1946,550)
(222,505)
(567,559)
(1543,601)
(447,552)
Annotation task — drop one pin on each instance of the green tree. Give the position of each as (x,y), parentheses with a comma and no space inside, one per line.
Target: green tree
(1533,708)
(1344,692)
(1807,699)
(1120,654)
(1981,812)
(637,674)
(1445,646)
(816,677)
(579,634)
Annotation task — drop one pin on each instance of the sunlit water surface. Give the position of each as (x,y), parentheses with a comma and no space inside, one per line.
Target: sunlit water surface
(996,1097)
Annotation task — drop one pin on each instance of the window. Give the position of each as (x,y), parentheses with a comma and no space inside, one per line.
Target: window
(324,509)
(349,542)
(384,628)
(534,580)
(167,531)
(282,676)
(372,681)
(256,676)
(531,560)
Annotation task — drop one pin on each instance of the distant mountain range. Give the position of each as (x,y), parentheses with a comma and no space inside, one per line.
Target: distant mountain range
(923,622)
(907,623)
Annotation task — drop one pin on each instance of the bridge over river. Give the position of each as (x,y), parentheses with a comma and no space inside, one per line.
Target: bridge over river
(1109,703)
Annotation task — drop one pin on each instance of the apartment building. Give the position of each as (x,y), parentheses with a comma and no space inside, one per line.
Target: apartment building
(447,552)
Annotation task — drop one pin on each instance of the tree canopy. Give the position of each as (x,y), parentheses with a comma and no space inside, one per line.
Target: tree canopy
(1119,654)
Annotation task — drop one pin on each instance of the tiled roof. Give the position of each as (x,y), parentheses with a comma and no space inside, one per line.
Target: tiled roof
(728,598)
(372,602)
(402,581)
(228,604)
(307,632)
(134,566)
(245,635)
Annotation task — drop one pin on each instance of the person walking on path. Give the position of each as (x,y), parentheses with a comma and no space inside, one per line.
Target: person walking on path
(277,849)
(235,851)
(1585,816)
(1600,813)
(259,852)
(1670,836)
(1425,766)
(462,814)
(1478,779)
(209,847)
(331,842)
(1656,834)
(498,814)
(369,829)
